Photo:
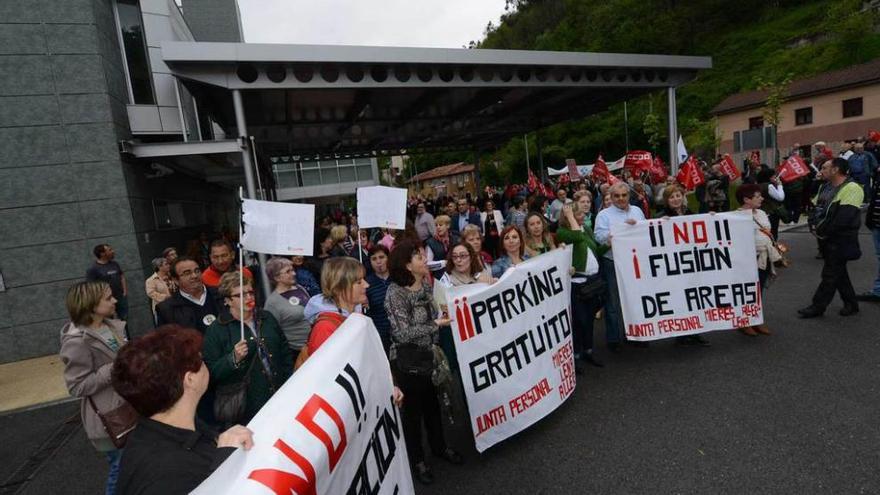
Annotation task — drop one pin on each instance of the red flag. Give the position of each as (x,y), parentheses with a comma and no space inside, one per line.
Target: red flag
(729,168)
(600,170)
(573,172)
(548,191)
(658,171)
(792,169)
(564,179)
(874,136)
(691,175)
(637,162)
(533,181)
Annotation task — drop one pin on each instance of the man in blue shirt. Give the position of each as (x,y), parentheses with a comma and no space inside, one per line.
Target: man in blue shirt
(619,212)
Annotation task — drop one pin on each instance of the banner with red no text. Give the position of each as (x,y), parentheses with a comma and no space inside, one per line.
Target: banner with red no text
(687,275)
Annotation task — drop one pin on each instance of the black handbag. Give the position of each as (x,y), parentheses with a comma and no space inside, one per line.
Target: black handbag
(230,400)
(414,360)
(592,291)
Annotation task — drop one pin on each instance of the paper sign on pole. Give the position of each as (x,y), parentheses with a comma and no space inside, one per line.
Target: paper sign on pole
(381,206)
(573,172)
(332,428)
(278,228)
(687,275)
(514,346)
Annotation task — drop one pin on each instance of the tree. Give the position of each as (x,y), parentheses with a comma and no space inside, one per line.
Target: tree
(777,92)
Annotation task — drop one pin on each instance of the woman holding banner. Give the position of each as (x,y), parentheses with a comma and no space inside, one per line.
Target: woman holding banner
(163,377)
(414,332)
(260,360)
(513,251)
(674,205)
(538,239)
(471,235)
(587,287)
(463,267)
(750,197)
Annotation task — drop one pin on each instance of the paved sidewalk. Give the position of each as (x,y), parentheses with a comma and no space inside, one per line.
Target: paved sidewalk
(30,383)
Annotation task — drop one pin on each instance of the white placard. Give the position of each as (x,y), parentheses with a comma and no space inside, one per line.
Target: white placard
(687,275)
(381,206)
(332,428)
(278,228)
(514,345)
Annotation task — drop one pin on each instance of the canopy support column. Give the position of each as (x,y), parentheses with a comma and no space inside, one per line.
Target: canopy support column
(248,165)
(673,130)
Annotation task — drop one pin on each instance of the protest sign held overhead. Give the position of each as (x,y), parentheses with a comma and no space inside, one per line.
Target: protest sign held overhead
(380,206)
(573,172)
(514,345)
(332,428)
(792,169)
(687,275)
(278,228)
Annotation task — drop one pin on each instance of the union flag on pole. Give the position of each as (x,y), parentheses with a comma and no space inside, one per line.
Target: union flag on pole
(755,157)
(533,181)
(658,171)
(729,168)
(792,169)
(874,136)
(691,175)
(600,170)
(637,161)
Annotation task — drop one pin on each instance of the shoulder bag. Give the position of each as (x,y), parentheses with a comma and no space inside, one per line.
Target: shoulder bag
(230,400)
(118,423)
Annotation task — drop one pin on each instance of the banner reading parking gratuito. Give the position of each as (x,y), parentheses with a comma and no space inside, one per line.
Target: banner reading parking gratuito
(687,275)
(513,340)
(332,428)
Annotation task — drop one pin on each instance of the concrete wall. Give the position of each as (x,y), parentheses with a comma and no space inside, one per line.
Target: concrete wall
(62,111)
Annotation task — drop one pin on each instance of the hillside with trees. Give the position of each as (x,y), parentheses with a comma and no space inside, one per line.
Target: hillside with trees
(750,42)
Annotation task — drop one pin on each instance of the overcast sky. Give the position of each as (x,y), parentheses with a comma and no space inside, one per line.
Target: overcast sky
(435,23)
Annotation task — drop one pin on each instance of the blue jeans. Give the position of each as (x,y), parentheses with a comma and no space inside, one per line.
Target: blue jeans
(613,313)
(876,233)
(113,457)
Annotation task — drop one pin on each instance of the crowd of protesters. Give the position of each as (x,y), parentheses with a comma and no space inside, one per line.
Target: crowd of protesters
(222,348)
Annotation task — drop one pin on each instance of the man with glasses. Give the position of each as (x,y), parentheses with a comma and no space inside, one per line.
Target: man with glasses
(619,212)
(194,305)
(222,261)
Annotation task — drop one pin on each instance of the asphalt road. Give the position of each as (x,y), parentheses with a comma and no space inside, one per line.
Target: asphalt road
(796,412)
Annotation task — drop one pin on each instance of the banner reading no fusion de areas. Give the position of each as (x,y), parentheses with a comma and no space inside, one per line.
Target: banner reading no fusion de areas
(331,429)
(687,275)
(513,340)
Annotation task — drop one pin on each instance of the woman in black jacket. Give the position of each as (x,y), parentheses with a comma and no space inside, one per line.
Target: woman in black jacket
(171,451)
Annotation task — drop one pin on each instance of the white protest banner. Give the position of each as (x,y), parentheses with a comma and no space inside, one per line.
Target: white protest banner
(513,340)
(686,275)
(586,170)
(278,228)
(381,206)
(332,428)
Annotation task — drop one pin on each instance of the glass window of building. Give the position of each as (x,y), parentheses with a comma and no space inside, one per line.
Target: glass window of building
(756,122)
(803,116)
(131,28)
(852,108)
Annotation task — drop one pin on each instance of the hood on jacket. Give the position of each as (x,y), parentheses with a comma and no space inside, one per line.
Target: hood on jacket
(317,305)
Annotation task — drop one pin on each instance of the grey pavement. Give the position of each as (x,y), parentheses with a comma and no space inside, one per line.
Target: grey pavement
(796,412)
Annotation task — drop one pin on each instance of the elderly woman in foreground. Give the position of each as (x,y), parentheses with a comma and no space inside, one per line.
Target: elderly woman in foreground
(171,451)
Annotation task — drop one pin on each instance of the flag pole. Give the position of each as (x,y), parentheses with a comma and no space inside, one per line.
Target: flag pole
(241,260)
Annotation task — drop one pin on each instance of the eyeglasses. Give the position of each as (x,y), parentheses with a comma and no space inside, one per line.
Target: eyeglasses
(247,294)
(460,256)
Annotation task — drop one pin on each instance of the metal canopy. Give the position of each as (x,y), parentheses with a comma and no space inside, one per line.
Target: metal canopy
(311,100)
